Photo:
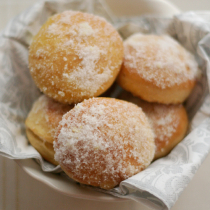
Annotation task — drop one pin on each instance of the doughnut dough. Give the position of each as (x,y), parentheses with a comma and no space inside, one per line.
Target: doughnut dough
(75,56)
(43,147)
(103,141)
(157,69)
(169,123)
(41,124)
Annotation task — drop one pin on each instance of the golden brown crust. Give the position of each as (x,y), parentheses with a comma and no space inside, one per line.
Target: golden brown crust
(169,123)
(43,147)
(44,117)
(149,92)
(75,56)
(103,141)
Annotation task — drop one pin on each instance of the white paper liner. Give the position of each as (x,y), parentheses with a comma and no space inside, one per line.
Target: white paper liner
(160,185)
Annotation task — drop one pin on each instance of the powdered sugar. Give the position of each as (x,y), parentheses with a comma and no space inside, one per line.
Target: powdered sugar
(105,133)
(159,59)
(87,73)
(84,29)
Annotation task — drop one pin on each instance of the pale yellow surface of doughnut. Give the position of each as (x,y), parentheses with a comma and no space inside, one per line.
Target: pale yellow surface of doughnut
(103,141)
(44,117)
(43,147)
(75,56)
(157,69)
(169,123)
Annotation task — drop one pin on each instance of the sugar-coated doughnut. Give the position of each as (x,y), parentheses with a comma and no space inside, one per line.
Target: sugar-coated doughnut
(43,147)
(44,117)
(102,141)
(75,56)
(157,69)
(169,122)
(41,124)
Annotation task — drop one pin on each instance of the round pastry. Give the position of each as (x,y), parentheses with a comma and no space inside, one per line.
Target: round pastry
(102,141)
(157,69)
(41,124)
(169,122)
(75,56)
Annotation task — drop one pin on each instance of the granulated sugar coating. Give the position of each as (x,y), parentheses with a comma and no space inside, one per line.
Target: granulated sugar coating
(169,122)
(75,56)
(159,59)
(103,141)
(158,69)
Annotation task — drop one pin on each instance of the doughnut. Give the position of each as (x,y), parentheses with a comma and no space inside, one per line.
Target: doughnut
(41,124)
(169,122)
(157,68)
(102,141)
(75,56)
